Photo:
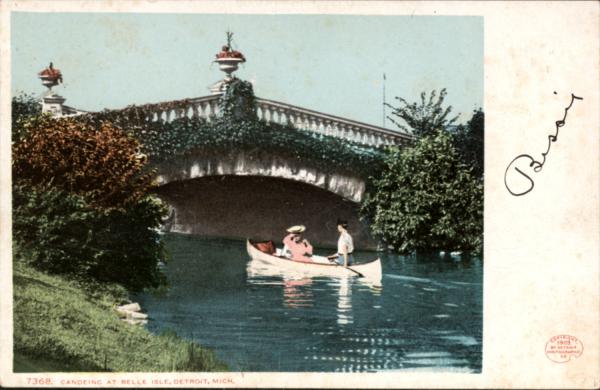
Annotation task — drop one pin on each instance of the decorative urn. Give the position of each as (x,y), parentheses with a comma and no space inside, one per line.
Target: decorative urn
(50,76)
(229,59)
(52,102)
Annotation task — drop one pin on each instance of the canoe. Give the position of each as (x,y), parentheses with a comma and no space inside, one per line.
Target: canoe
(370,270)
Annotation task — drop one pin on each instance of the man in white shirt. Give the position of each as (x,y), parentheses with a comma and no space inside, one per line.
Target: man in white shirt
(345,245)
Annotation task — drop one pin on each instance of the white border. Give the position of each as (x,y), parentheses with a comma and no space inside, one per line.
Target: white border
(541,255)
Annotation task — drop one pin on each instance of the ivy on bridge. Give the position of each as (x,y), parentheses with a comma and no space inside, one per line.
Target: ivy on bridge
(238,128)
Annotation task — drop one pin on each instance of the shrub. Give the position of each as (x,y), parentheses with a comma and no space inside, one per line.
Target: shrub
(469,141)
(24,106)
(81,204)
(426,199)
(60,233)
(102,164)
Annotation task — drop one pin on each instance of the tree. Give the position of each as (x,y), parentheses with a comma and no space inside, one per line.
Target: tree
(423,118)
(61,233)
(469,142)
(82,203)
(102,164)
(24,106)
(426,199)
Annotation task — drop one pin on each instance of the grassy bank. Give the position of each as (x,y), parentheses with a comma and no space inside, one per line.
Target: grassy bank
(60,325)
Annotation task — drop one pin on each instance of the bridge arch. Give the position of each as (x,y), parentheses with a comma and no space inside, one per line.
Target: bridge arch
(238,194)
(259,207)
(261,164)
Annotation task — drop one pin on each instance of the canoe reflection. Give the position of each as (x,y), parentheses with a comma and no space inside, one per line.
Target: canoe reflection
(297,286)
(298,289)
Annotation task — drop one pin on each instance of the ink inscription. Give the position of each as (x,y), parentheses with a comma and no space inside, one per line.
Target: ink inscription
(535,165)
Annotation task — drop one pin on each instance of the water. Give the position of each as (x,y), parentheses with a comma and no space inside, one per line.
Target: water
(426,315)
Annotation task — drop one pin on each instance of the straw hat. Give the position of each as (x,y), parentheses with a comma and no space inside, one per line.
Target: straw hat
(296,229)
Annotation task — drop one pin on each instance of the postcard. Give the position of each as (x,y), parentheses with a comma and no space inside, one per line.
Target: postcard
(300,194)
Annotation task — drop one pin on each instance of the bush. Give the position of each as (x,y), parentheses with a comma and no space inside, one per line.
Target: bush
(24,106)
(469,140)
(426,199)
(60,233)
(80,201)
(102,164)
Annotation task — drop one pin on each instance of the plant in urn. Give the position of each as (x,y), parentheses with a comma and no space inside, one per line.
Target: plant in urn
(229,59)
(50,77)
(52,102)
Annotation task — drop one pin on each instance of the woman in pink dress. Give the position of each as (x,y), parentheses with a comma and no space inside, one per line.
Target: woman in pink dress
(296,247)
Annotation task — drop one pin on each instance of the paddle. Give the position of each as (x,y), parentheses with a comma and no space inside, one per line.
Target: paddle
(355,271)
(348,268)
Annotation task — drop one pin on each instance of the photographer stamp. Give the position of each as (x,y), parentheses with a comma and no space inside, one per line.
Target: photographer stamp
(563,348)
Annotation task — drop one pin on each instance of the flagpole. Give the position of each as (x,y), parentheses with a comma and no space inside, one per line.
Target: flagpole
(383,119)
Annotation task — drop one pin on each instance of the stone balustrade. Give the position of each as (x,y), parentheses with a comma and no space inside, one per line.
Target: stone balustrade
(207,107)
(302,118)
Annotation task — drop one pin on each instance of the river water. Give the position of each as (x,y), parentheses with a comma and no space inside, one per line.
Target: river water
(426,314)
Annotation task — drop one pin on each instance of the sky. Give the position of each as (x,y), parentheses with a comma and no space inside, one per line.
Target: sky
(328,63)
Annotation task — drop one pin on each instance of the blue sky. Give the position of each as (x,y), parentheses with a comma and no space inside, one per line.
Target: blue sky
(328,63)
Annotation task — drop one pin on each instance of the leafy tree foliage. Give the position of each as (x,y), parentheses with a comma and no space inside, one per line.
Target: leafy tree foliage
(24,106)
(426,199)
(81,203)
(61,233)
(102,163)
(469,142)
(422,118)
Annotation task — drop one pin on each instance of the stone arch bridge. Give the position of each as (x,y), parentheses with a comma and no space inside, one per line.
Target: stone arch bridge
(241,194)
(238,194)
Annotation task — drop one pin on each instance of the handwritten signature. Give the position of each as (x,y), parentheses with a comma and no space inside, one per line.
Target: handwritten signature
(533,163)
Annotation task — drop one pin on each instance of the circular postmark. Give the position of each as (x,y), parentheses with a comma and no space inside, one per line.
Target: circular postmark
(561,348)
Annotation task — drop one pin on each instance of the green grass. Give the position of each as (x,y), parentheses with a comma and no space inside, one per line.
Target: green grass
(60,325)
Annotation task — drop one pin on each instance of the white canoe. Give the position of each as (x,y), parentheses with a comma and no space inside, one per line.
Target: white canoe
(370,270)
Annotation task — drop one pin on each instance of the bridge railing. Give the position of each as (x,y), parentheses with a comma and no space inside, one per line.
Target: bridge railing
(302,118)
(207,107)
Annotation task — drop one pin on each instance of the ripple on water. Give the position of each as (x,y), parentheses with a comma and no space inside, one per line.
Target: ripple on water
(259,321)
(464,340)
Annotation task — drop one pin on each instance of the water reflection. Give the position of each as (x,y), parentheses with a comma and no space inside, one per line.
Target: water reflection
(298,287)
(344,306)
(260,318)
(297,293)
